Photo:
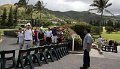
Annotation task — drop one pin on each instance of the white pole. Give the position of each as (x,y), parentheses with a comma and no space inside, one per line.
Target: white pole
(73,44)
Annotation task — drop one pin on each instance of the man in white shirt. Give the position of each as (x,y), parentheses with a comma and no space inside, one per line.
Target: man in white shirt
(87,44)
(28,36)
(48,35)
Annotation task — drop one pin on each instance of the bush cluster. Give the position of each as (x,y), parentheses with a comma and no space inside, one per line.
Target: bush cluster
(109,29)
(11,33)
(78,42)
(80,27)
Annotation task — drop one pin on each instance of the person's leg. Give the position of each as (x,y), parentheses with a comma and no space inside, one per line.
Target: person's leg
(55,39)
(31,43)
(20,46)
(85,61)
(50,40)
(28,44)
(100,48)
(36,40)
(47,40)
(17,40)
(25,45)
(88,57)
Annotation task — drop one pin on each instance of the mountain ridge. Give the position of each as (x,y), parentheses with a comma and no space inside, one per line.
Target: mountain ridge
(76,15)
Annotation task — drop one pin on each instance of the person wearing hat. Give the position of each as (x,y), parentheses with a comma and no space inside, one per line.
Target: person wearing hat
(28,36)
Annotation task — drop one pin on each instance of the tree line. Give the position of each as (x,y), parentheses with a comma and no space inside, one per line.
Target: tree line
(9,20)
(110,25)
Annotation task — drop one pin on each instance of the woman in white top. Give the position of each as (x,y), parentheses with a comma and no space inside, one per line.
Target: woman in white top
(21,38)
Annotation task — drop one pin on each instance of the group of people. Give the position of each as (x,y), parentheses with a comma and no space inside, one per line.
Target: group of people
(28,37)
(102,42)
(25,37)
(54,35)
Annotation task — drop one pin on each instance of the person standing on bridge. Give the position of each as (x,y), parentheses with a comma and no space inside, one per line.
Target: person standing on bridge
(100,43)
(20,38)
(28,36)
(87,44)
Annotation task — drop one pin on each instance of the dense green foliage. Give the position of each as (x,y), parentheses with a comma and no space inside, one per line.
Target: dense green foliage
(79,29)
(100,6)
(78,42)
(109,29)
(4,17)
(15,15)
(112,26)
(95,30)
(22,3)
(11,33)
(10,18)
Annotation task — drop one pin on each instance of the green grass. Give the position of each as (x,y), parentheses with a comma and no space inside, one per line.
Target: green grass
(114,35)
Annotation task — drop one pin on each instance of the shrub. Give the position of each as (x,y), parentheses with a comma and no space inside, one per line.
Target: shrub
(78,42)
(11,33)
(96,30)
(79,29)
(109,29)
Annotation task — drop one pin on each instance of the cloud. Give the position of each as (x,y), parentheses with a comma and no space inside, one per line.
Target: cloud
(115,8)
(66,5)
(63,5)
(85,1)
(2,2)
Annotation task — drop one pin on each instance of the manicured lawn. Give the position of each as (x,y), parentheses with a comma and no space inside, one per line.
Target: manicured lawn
(111,36)
(114,35)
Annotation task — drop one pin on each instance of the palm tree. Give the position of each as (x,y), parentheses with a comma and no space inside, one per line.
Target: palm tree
(39,7)
(22,3)
(101,6)
(30,10)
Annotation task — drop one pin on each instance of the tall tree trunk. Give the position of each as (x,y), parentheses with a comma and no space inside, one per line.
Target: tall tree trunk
(40,16)
(31,15)
(100,24)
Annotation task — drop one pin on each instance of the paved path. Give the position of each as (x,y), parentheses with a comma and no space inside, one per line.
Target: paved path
(72,61)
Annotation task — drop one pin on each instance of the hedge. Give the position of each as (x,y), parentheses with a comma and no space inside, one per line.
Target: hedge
(11,33)
(79,29)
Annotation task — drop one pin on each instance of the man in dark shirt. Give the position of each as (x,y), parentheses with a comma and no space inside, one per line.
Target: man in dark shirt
(54,35)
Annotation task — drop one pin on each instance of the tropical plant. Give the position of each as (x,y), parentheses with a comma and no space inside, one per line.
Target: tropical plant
(39,7)
(10,18)
(22,3)
(101,6)
(30,10)
(4,17)
(15,15)
(80,27)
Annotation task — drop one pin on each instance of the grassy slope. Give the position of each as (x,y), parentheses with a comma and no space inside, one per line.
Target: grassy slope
(114,35)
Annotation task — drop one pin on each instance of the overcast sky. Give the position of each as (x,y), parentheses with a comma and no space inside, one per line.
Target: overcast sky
(66,5)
